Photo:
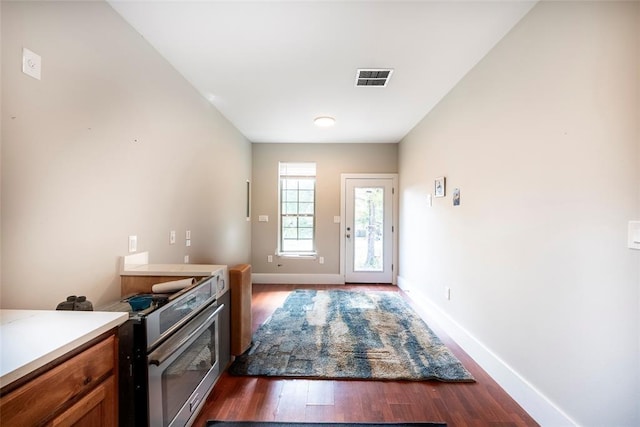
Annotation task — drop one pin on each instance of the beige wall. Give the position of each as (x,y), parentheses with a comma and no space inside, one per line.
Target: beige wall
(542,138)
(331,161)
(111,142)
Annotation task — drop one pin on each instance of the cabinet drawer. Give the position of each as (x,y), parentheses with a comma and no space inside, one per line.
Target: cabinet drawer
(48,394)
(96,409)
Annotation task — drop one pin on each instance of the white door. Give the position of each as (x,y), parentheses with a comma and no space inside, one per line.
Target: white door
(368,230)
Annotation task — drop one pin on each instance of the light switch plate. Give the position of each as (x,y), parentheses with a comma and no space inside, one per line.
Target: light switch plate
(263,218)
(31,63)
(133,243)
(336,219)
(633,235)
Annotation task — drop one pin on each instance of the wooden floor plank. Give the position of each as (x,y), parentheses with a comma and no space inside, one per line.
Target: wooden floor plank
(293,400)
(322,413)
(320,393)
(482,403)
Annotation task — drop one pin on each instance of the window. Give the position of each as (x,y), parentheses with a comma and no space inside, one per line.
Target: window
(297,207)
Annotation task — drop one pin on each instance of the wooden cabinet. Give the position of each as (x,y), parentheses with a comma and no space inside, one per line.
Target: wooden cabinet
(77,390)
(94,409)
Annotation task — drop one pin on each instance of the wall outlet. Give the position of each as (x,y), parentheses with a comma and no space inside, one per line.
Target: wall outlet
(31,63)
(321,260)
(172,237)
(188,243)
(133,243)
(269,258)
(186,259)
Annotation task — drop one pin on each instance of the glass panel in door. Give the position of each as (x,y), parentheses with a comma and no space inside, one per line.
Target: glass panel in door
(368,229)
(368,226)
(183,375)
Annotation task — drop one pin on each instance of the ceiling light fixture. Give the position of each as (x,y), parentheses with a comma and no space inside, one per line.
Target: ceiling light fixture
(324,121)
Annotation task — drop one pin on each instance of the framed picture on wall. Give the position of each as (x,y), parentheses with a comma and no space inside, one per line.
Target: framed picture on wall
(439,189)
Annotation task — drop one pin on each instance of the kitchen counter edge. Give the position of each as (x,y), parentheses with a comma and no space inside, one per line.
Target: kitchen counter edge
(19,357)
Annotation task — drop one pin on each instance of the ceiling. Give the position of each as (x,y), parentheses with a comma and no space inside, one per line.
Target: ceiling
(271,67)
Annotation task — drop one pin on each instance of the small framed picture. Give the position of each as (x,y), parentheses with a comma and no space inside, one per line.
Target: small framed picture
(440,184)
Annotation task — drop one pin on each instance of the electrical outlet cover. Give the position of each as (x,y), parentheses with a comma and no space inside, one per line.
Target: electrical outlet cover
(31,63)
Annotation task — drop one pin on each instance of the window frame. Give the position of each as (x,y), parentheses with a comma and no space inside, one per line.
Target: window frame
(307,172)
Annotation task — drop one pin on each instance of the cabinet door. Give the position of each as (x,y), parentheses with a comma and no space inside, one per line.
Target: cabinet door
(96,409)
(35,402)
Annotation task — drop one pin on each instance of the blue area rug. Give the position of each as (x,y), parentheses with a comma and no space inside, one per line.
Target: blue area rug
(293,424)
(348,335)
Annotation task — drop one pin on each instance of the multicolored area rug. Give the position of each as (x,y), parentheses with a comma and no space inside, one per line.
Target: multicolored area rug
(344,334)
(294,424)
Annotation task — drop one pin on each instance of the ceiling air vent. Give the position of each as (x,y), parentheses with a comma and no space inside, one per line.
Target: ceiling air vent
(373,77)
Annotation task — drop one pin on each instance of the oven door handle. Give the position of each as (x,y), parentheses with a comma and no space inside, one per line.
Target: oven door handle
(173,344)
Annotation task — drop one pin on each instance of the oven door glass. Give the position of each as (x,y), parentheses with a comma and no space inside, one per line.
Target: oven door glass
(167,319)
(183,369)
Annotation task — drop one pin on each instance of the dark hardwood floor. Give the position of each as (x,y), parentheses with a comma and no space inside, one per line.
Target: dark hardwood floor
(482,403)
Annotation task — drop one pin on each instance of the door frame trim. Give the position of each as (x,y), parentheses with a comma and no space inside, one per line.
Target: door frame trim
(394,218)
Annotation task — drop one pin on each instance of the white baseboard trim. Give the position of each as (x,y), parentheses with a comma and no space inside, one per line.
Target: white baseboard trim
(536,404)
(297,279)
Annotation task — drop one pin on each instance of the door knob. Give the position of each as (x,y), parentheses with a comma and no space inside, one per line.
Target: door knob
(348,235)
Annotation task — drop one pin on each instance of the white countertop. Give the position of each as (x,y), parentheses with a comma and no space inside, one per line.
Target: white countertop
(138,265)
(171,270)
(29,339)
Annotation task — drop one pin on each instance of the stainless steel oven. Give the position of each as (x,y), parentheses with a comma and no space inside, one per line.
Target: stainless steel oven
(183,369)
(169,355)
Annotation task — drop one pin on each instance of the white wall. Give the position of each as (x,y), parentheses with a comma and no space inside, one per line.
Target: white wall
(543,140)
(331,161)
(111,142)
(1,117)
